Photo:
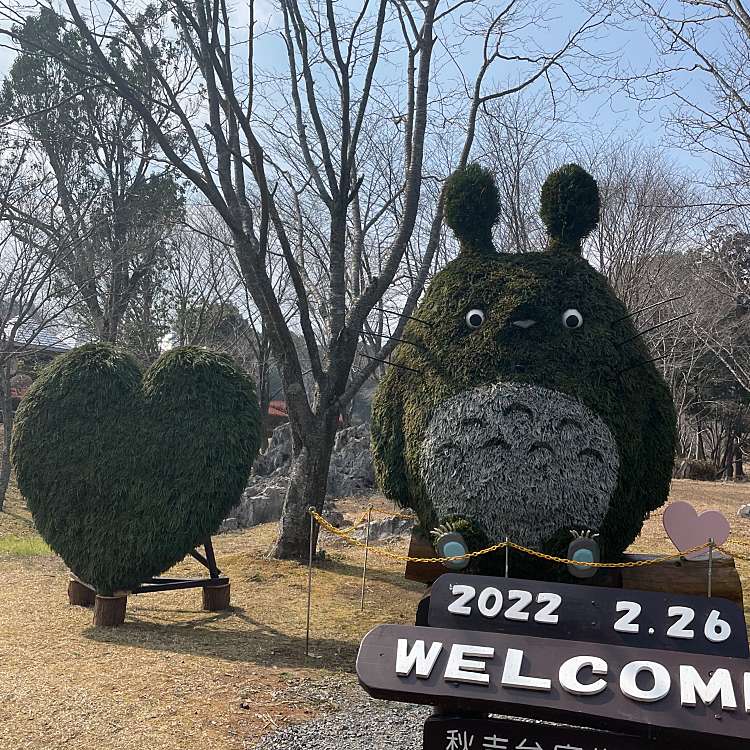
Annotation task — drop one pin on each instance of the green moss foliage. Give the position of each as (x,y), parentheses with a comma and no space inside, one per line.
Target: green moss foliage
(569,207)
(124,471)
(472,207)
(598,364)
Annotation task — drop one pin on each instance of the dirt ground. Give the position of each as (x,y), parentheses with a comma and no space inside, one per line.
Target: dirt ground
(179,678)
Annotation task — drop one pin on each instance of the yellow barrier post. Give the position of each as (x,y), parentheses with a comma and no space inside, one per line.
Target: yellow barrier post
(364,567)
(500,545)
(309,582)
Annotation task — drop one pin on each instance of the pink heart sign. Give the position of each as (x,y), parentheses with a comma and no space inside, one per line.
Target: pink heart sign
(687,529)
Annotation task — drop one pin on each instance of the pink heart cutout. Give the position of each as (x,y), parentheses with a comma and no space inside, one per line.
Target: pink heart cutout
(687,529)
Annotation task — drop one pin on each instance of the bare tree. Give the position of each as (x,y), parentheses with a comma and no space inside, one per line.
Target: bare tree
(647,218)
(109,192)
(32,297)
(703,67)
(337,84)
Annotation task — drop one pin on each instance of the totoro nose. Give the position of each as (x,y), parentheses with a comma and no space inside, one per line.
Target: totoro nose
(525,323)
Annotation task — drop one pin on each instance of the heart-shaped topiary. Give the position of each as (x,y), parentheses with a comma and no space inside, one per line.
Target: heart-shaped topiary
(124,471)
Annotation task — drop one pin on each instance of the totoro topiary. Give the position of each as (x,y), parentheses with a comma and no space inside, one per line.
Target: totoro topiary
(530,407)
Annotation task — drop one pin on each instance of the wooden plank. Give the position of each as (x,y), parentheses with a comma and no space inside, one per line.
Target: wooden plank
(422,572)
(685,577)
(459,732)
(543,609)
(630,691)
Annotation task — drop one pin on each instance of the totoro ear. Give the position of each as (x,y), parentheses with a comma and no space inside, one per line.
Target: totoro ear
(569,207)
(472,208)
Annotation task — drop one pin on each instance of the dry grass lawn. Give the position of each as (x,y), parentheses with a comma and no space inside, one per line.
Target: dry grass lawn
(179,678)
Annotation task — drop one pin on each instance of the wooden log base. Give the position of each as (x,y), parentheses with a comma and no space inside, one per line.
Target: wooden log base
(109,611)
(686,577)
(216,598)
(79,594)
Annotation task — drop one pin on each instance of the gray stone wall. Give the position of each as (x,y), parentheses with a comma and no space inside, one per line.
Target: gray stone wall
(351,474)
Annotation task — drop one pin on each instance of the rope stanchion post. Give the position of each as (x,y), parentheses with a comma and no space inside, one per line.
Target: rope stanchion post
(309,582)
(710,564)
(507,553)
(364,566)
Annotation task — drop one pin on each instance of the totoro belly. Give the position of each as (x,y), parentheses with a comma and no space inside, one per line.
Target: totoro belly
(520,461)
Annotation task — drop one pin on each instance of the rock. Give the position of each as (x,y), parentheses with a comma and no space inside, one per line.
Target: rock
(693,468)
(276,493)
(278,454)
(744,511)
(335,518)
(385,528)
(229,524)
(350,474)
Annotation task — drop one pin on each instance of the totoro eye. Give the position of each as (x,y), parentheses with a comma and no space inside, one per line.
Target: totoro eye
(475,318)
(572,318)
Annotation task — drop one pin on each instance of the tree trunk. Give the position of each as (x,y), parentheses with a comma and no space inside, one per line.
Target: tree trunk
(739,469)
(264,400)
(700,452)
(307,487)
(729,461)
(6,403)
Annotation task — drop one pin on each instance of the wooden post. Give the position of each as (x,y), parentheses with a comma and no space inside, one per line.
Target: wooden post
(109,611)
(216,598)
(79,594)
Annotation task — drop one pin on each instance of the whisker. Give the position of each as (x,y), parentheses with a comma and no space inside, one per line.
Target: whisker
(403,315)
(389,362)
(653,328)
(641,364)
(394,338)
(648,307)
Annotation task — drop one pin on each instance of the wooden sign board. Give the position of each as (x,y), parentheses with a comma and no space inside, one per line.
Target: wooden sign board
(583,613)
(684,696)
(460,733)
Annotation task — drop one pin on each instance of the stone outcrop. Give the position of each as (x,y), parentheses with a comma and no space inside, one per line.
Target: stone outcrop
(385,528)
(351,471)
(350,474)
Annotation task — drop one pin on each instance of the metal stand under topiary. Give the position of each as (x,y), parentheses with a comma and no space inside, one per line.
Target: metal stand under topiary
(109,611)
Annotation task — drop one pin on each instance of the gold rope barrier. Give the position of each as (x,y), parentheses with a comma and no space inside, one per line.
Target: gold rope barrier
(344,534)
(743,555)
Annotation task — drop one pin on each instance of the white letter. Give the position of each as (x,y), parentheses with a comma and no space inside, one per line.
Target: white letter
(465,670)
(512,676)
(569,675)
(693,687)
(405,660)
(629,676)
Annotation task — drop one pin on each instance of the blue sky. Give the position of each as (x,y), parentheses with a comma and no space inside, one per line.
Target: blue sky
(608,113)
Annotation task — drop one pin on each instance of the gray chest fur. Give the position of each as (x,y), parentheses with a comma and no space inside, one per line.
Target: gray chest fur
(519,460)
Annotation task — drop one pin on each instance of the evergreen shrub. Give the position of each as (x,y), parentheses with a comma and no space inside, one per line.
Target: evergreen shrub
(126,471)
